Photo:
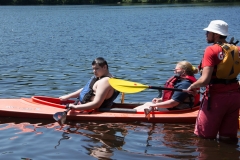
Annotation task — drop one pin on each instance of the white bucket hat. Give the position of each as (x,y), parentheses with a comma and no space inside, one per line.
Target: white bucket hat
(218,26)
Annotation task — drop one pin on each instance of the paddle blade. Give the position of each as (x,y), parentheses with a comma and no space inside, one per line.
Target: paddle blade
(127,86)
(60,117)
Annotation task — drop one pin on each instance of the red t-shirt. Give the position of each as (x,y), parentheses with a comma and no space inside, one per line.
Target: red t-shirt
(213,56)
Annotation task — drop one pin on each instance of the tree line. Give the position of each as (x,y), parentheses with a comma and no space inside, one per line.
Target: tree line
(79,2)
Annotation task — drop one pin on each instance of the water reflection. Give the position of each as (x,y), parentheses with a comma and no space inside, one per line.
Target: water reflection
(110,136)
(177,141)
(141,43)
(99,140)
(120,140)
(24,125)
(181,139)
(64,137)
(213,149)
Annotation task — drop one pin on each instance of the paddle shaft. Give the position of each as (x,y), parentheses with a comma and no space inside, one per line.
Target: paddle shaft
(171,89)
(68,109)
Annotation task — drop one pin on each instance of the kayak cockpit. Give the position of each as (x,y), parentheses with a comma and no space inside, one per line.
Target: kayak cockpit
(48,101)
(116,108)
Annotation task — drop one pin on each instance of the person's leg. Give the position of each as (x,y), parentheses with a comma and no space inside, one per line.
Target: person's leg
(208,121)
(162,109)
(142,107)
(230,123)
(147,105)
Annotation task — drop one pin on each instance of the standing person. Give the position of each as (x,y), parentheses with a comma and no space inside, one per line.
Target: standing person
(97,92)
(176,100)
(221,101)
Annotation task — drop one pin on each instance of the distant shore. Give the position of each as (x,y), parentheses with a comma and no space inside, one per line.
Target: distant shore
(117,2)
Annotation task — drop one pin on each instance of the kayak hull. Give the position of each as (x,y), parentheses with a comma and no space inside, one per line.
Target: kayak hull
(45,107)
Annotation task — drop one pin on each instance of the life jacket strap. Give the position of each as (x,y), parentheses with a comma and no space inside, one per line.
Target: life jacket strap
(223,81)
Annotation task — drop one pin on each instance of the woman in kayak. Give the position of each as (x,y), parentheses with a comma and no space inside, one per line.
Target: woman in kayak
(97,92)
(176,100)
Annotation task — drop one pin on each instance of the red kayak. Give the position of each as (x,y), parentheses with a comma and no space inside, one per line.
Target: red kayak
(45,107)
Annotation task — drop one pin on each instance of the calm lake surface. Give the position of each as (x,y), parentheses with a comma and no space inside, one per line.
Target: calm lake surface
(48,50)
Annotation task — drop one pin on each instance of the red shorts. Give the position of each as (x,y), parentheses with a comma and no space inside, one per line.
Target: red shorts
(222,118)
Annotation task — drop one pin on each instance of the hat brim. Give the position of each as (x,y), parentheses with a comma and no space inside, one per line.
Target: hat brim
(210,30)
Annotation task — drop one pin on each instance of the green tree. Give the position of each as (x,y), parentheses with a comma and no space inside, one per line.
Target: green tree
(6,2)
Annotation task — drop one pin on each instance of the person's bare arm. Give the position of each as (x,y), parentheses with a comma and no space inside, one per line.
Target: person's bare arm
(102,90)
(204,80)
(70,95)
(166,104)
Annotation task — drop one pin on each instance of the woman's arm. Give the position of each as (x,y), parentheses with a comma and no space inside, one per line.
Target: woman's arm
(166,104)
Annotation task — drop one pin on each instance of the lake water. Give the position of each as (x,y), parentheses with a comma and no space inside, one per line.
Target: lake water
(48,50)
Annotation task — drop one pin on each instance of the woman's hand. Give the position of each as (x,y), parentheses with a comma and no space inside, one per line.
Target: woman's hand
(156,100)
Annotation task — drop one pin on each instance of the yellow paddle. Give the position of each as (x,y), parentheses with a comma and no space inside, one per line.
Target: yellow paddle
(134,87)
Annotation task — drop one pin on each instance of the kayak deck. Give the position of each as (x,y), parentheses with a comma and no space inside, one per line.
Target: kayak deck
(45,107)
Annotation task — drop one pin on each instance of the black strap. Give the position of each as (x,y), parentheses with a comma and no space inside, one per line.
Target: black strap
(191,101)
(159,93)
(223,81)
(232,41)
(209,101)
